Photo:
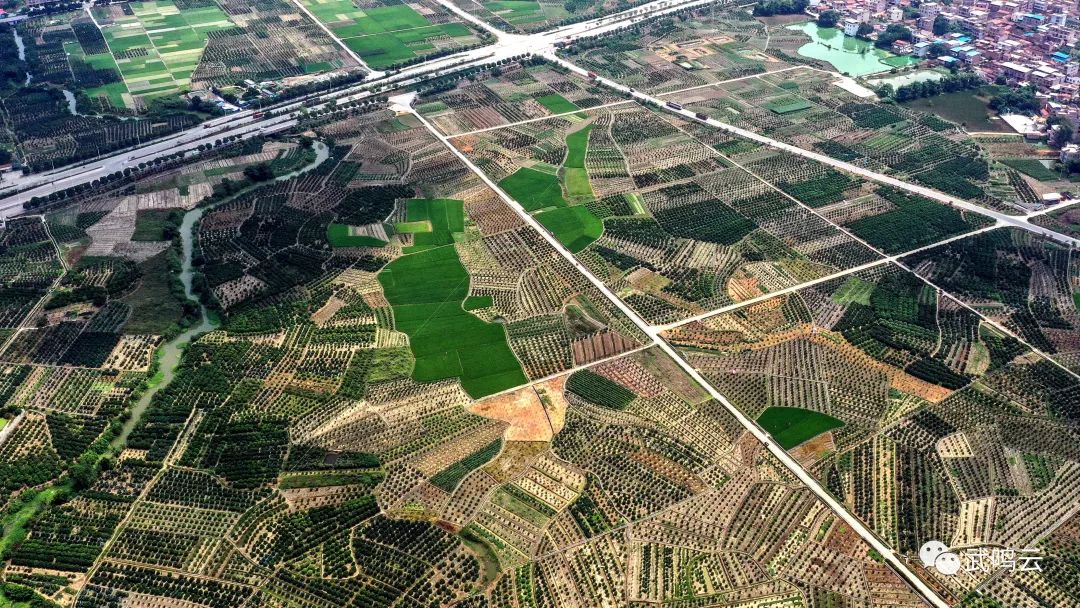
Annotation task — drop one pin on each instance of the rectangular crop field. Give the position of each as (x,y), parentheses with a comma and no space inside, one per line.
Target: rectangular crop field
(534,189)
(556,103)
(158,46)
(1032,168)
(387,35)
(791,426)
(576,227)
(433,222)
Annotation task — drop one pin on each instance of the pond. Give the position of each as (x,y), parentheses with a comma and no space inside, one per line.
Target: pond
(849,55)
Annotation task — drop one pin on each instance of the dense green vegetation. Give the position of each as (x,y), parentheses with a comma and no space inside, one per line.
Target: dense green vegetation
(899,325)
(576,227)
(427,288)
(1032,168)
(556,104)
(780,7)
(576,145)
(819,191)
(892,33)
(791,426)
(448,478)
(81,283)
(371,366)
(916,221)
(597,389)
(932,88)
(158,304)
(1022,100)
(157,224)
(575,175)
(435,222)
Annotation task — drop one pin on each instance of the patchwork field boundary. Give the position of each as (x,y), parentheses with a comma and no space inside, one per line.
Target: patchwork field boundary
(760,434)
(332,35)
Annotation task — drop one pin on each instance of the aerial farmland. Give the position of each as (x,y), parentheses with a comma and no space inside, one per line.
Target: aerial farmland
(323,303)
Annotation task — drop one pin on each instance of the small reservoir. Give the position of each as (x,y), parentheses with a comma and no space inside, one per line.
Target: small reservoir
(849,55)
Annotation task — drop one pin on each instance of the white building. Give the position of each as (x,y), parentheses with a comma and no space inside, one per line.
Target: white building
(851,26)
(1069,153)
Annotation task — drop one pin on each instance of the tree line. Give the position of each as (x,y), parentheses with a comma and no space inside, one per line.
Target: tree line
(952,83)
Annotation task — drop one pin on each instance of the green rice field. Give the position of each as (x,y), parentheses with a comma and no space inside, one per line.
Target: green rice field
(576,227)
(433,222)
(791,426)
(574,174)
(534,189)
(428,289)
(387,35)
(557,104)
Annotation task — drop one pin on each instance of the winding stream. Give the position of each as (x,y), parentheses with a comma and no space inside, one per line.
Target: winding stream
(21,46)
(70,98)
(168,356)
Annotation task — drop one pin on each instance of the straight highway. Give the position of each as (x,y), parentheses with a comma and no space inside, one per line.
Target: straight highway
(17,189)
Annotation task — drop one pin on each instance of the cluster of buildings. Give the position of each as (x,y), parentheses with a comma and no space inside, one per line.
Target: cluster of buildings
(1016,41)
